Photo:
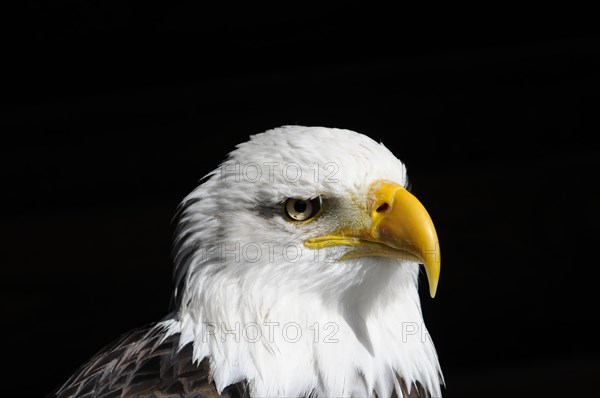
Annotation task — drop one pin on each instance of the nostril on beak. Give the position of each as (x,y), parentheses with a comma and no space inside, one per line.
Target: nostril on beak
(382,208)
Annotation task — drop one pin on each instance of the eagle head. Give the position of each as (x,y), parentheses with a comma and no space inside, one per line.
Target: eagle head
(297,264)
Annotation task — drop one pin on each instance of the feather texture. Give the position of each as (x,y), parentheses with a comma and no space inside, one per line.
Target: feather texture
(145,363)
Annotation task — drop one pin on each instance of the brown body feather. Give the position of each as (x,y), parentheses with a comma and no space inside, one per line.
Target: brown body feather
(143,363)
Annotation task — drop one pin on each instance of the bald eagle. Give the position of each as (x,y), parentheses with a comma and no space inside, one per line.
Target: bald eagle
(296,275)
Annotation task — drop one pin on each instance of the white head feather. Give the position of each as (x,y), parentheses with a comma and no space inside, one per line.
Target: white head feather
(289,320)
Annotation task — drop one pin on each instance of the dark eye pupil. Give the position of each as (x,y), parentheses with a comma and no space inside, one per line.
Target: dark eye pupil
(300,206)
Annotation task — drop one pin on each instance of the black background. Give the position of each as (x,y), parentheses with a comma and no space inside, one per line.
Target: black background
(112,111)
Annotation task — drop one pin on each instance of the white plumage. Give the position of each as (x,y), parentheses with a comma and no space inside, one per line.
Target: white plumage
(371,303)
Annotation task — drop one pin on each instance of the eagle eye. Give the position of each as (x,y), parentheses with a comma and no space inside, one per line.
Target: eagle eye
(301,209)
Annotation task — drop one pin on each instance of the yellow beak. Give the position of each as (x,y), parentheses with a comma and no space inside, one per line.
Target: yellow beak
(397,226)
